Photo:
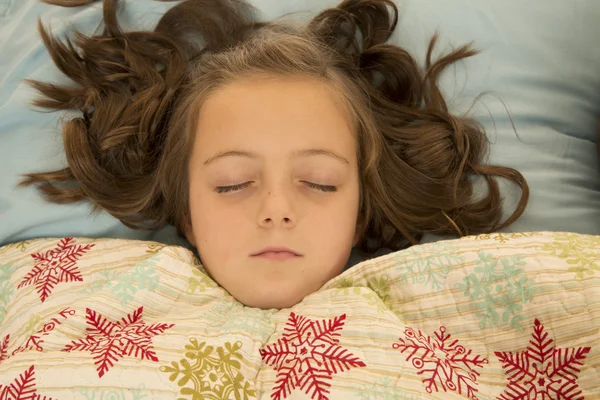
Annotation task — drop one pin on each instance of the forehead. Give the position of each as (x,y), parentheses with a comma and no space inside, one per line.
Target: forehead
(275,114)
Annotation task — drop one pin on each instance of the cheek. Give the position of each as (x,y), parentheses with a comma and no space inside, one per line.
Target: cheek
(207,220)
(332,235)
(216,229)
(342,216)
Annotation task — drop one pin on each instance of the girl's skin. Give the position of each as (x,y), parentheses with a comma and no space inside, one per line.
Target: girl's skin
(278,123)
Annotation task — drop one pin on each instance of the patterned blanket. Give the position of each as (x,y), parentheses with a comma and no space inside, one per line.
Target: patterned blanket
(501,316)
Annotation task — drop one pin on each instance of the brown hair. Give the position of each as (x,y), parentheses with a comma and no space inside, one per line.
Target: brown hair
(69,3)
(140,94)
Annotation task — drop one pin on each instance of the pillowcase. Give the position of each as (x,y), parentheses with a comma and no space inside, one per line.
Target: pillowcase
(539,59)
(31,140)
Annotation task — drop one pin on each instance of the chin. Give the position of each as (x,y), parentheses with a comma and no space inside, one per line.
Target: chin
(269,300)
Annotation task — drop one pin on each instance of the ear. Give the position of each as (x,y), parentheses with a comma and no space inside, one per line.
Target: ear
(189,232)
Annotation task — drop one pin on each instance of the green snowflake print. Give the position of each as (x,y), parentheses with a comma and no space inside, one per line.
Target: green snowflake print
(21,246)
(199,282)
(428,264)
(99,281)
(154,248)
(580,251)
(209,373)
(375,301)
(384,389)
(381,286)
(501,237)
(125,285)
(378,296)
(139,393)
(142,277)
(347,286)
(231,317)
(498,289)
(33,324)
(6,289)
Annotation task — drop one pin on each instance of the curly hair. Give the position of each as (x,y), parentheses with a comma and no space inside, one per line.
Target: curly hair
(139,94)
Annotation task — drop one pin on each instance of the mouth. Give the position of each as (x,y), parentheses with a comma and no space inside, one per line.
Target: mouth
(276,254)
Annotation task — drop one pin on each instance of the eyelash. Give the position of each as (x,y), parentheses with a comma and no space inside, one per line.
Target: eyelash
(235,188)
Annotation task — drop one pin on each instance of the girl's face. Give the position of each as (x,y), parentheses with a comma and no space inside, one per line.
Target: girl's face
(273,166)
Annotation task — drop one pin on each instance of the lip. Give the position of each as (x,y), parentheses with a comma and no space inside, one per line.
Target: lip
(276,252)
(276,256)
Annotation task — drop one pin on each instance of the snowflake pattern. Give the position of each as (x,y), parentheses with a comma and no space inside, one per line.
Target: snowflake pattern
(375,301)
(498,283)
(155,248)
(384,389)
(125,285)
(205,375)
(501,237)
(22,388)
(445,365)
(199,282)
(6,288)
(377,297)
(229,316)
(345,286)
(4,348)
(35,340)
(428,264)
(542,371)
(21,246)
(307,355)
(142,277)
(55,266)
(381,286)
(32,324)
(580,251)
(138,393)
(110,341)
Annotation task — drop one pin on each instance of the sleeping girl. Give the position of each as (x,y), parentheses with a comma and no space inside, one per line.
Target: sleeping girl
(273,148)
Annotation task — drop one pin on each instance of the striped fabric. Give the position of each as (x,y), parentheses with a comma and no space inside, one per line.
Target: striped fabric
(501,316)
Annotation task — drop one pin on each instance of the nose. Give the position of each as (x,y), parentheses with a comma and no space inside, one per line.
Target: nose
(277,208)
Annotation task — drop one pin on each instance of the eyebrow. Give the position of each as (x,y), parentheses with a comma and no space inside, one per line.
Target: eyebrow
(296,154)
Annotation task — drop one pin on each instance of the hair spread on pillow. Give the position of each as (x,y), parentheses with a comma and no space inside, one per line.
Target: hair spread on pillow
(140,92)
(69,3)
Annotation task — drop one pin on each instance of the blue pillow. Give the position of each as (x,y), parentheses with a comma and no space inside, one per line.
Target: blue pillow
(539,57)
(30,140)
(539,65)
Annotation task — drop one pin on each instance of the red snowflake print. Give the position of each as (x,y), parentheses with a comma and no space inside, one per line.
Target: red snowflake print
(109,341)
(444,364)
(35,341)
(542,371)
(307,355)
(22,388)
(4,348)
(55,266)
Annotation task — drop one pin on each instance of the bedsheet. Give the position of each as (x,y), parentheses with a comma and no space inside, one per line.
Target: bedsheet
(499,316)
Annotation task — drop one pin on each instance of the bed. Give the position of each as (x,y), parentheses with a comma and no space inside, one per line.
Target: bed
(500,316)
(92,310)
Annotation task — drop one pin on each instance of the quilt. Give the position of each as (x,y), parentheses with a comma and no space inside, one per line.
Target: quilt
(498,316)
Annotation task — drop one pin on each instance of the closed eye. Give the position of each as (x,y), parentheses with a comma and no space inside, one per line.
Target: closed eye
(323,188)
(232,188)
(235,188)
